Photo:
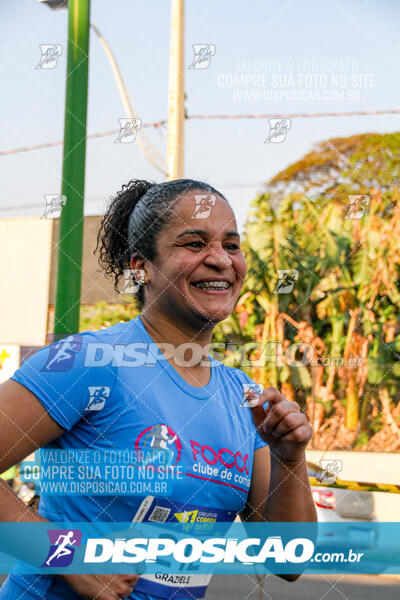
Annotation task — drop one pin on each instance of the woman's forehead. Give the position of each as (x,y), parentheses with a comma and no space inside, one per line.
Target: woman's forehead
(199,210)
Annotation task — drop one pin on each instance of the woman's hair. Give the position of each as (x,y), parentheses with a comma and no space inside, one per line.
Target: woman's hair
(133,221)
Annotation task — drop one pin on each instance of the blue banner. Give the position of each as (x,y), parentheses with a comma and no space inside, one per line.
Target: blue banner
(351,547)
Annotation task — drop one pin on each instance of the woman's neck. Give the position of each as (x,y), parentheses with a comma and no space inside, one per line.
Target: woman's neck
(163,331)
(166,330)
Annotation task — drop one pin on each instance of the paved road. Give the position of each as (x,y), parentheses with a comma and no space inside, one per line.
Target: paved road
(308,587)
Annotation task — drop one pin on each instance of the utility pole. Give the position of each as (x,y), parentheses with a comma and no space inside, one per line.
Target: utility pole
(176,93)
(69,262)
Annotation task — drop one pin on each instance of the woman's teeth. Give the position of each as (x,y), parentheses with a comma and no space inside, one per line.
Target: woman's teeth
(212,285)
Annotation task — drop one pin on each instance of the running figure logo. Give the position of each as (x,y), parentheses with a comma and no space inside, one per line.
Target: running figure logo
(128,129)
(331,468)
(251,393)
(162,437)
(358,205)
(204,204)
(98,396)
(50,54)
(131,283)
(61,551)
(278,129)
(62,354)
(54,204)
(203,54)
(286,280)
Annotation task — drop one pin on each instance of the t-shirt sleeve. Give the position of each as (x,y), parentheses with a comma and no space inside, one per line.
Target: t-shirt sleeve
(259,442)
(58,377)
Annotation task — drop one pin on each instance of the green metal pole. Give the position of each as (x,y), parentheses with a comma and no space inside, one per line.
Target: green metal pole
(68,281)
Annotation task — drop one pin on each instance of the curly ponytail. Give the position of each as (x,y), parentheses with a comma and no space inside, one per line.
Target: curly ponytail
(133,221)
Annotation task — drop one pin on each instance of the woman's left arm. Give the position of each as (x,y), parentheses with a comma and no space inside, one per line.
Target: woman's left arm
(280,489)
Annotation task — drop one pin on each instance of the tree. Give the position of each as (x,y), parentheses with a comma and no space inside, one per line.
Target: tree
(345,301)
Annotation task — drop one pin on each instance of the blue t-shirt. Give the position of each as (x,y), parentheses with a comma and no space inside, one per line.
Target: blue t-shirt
(112,389)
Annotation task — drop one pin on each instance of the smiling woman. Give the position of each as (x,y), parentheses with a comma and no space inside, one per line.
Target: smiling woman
(179,241)
(190,223)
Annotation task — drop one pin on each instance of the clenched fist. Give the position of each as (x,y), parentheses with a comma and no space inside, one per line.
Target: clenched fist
(282,425)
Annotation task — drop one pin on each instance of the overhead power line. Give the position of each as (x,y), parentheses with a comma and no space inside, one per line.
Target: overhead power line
(162,123)
(59,143)
(362,113)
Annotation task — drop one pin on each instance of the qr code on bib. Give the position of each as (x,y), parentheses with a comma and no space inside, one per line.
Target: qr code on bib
(159,514)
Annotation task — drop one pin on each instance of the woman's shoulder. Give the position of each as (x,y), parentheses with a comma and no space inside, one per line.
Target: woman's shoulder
(123,332)
(119,331)
(232,372)
(76,350)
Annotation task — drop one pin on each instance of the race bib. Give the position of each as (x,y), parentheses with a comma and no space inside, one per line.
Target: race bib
(196,519)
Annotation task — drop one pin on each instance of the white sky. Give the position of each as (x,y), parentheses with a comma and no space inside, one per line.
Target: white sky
(230,155)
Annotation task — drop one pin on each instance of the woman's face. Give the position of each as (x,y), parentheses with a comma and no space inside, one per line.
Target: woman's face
(199,267)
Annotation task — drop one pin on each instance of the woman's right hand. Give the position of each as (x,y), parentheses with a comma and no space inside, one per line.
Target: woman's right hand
(102,587)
